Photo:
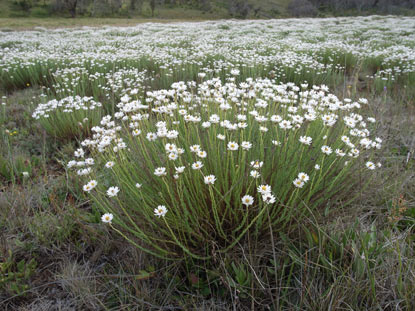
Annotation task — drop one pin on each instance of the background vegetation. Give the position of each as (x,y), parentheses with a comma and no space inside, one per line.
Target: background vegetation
(202,9)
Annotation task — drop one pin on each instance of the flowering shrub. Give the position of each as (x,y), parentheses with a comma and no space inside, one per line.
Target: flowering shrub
(69,117)
(193,169)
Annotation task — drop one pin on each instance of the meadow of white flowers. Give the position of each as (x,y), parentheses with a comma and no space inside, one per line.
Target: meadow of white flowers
(316,46)
(196,135)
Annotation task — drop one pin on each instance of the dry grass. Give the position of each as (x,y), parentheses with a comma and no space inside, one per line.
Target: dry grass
(29,23)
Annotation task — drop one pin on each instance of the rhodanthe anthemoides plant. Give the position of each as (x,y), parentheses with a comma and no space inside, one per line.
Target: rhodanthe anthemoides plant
(89,61)
(194,169)
(69,117)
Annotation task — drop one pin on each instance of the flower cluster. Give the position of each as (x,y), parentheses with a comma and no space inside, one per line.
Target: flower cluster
(293,112)
(66,105)
(69,117)
(219,154)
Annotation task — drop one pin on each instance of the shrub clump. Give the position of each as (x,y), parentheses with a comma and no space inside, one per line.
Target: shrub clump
(70,117)
(193,170)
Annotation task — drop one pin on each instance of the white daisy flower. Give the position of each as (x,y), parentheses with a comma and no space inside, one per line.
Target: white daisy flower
(298,183)
(160,210)
(136,132)
(71,164)
(268,198)
(246,145)
(264,189)
(255,174)
(303,176)
(235,72)
(257,164)
(214,118)
(276,119)
(340,153)
(79,153)
(109,164)
(112,191)
(93,183)
(206,124)
(247,200)
(170,148)
(197,165)
(345,139)
(89,186)
(151,136)
(285,124)
(89,161)
(160,171)
(84,171)
(326,149)
(233,146)
(195,148)
(210,179)
(354,153)
(306,140)
(107,218)
(370,165)
(173,156)
(172,134)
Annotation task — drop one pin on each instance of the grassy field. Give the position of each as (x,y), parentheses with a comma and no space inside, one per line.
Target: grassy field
(53,23)
(332,232)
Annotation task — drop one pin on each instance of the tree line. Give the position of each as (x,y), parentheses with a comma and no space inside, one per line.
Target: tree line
(234,8)
(340,7)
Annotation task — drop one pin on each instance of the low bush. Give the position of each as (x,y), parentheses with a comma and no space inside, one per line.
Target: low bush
(194,170)
(70,117)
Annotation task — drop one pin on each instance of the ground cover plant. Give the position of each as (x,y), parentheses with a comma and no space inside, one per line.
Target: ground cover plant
(217,165)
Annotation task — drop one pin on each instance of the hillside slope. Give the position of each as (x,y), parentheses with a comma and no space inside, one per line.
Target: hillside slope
(171,9)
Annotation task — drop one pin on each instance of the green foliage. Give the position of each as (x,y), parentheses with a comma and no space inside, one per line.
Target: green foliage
(198,9)
(15,169)
(40,12)
(240,279)
(15,276)
(22,6)
(360,251)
